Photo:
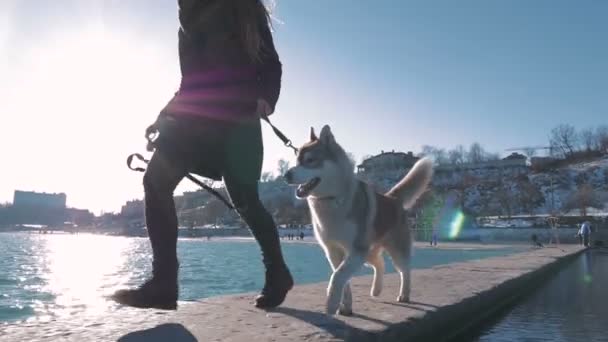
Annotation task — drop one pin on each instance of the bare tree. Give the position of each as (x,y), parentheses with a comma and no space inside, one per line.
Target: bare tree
(601,138)
(426,151)
(529,152)
(476,153)
(588,138)
(583,198)
(438,155)
(529,196)
(505,198)
(456,155)
(564,139)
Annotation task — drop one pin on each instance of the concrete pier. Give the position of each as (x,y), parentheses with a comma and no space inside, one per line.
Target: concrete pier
(444,300)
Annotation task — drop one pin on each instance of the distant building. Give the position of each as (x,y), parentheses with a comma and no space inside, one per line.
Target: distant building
(80,217)
(133,213)
(387,162)
(133,208)
(515,156)
(538,163)
(39,200)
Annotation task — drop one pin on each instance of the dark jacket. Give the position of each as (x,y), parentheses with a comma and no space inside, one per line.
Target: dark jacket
(219,80)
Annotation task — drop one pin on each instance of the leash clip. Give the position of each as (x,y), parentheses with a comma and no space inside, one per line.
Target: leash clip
(289,144)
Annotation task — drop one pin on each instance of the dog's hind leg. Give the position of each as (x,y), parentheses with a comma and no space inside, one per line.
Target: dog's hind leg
(339,284)
(402,263)
(336,256)
(377,262)
(399,250)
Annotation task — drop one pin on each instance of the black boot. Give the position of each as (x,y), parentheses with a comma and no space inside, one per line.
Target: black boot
(278,283)
(160,292)
(278,278)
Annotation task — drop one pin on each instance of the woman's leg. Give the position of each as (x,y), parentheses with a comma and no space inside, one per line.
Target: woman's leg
(278,280)
(161,291)
(242,169)
(160,180)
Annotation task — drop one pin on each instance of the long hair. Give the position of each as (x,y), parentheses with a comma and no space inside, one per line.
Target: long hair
(251,17)
(248,18)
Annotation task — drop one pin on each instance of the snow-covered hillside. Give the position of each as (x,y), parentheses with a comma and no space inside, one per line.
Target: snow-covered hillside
(515,191)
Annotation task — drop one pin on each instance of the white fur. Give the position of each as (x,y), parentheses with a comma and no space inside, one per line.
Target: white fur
(348,242)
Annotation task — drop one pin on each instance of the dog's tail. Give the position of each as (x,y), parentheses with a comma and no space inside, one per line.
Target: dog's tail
(414,184)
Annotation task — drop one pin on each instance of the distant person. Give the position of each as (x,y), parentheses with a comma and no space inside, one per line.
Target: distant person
(554,234)
(585,233)
(301,235)
(230,78)
(449,208)
(434,237)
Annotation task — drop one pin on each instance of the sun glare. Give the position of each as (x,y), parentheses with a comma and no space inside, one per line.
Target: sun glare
(93,71)
(82,269)
(90,93)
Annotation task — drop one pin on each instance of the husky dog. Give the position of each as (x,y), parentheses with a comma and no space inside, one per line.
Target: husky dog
(352,222)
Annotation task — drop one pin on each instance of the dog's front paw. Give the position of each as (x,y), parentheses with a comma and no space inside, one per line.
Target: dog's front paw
(403,299)
(332,307)
(344,311)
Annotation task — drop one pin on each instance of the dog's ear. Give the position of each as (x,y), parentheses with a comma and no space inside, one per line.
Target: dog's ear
(313,136)
(326,135)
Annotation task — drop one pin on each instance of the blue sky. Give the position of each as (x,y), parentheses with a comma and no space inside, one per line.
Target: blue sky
(82,79)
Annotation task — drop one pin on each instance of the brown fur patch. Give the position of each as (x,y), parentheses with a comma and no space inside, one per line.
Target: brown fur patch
(388,214)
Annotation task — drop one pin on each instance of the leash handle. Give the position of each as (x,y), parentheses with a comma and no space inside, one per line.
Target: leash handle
(138,156)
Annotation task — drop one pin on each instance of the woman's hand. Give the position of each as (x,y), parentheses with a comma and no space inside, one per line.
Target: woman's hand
(263,108)
(151,130)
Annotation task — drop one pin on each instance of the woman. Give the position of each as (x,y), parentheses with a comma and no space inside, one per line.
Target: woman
(231,76)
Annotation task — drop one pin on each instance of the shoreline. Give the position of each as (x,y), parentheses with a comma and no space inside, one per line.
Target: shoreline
(453,297)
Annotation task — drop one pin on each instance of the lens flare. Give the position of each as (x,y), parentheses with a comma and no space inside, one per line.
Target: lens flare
(456,225)
(586,260)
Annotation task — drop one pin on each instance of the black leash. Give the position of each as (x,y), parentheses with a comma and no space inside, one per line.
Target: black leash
(214,192)
(189,176)
(281,136)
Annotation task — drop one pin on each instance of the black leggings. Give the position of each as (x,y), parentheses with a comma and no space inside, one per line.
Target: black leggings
(164,173)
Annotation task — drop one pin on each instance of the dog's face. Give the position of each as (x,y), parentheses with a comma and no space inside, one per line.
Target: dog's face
(318,171)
